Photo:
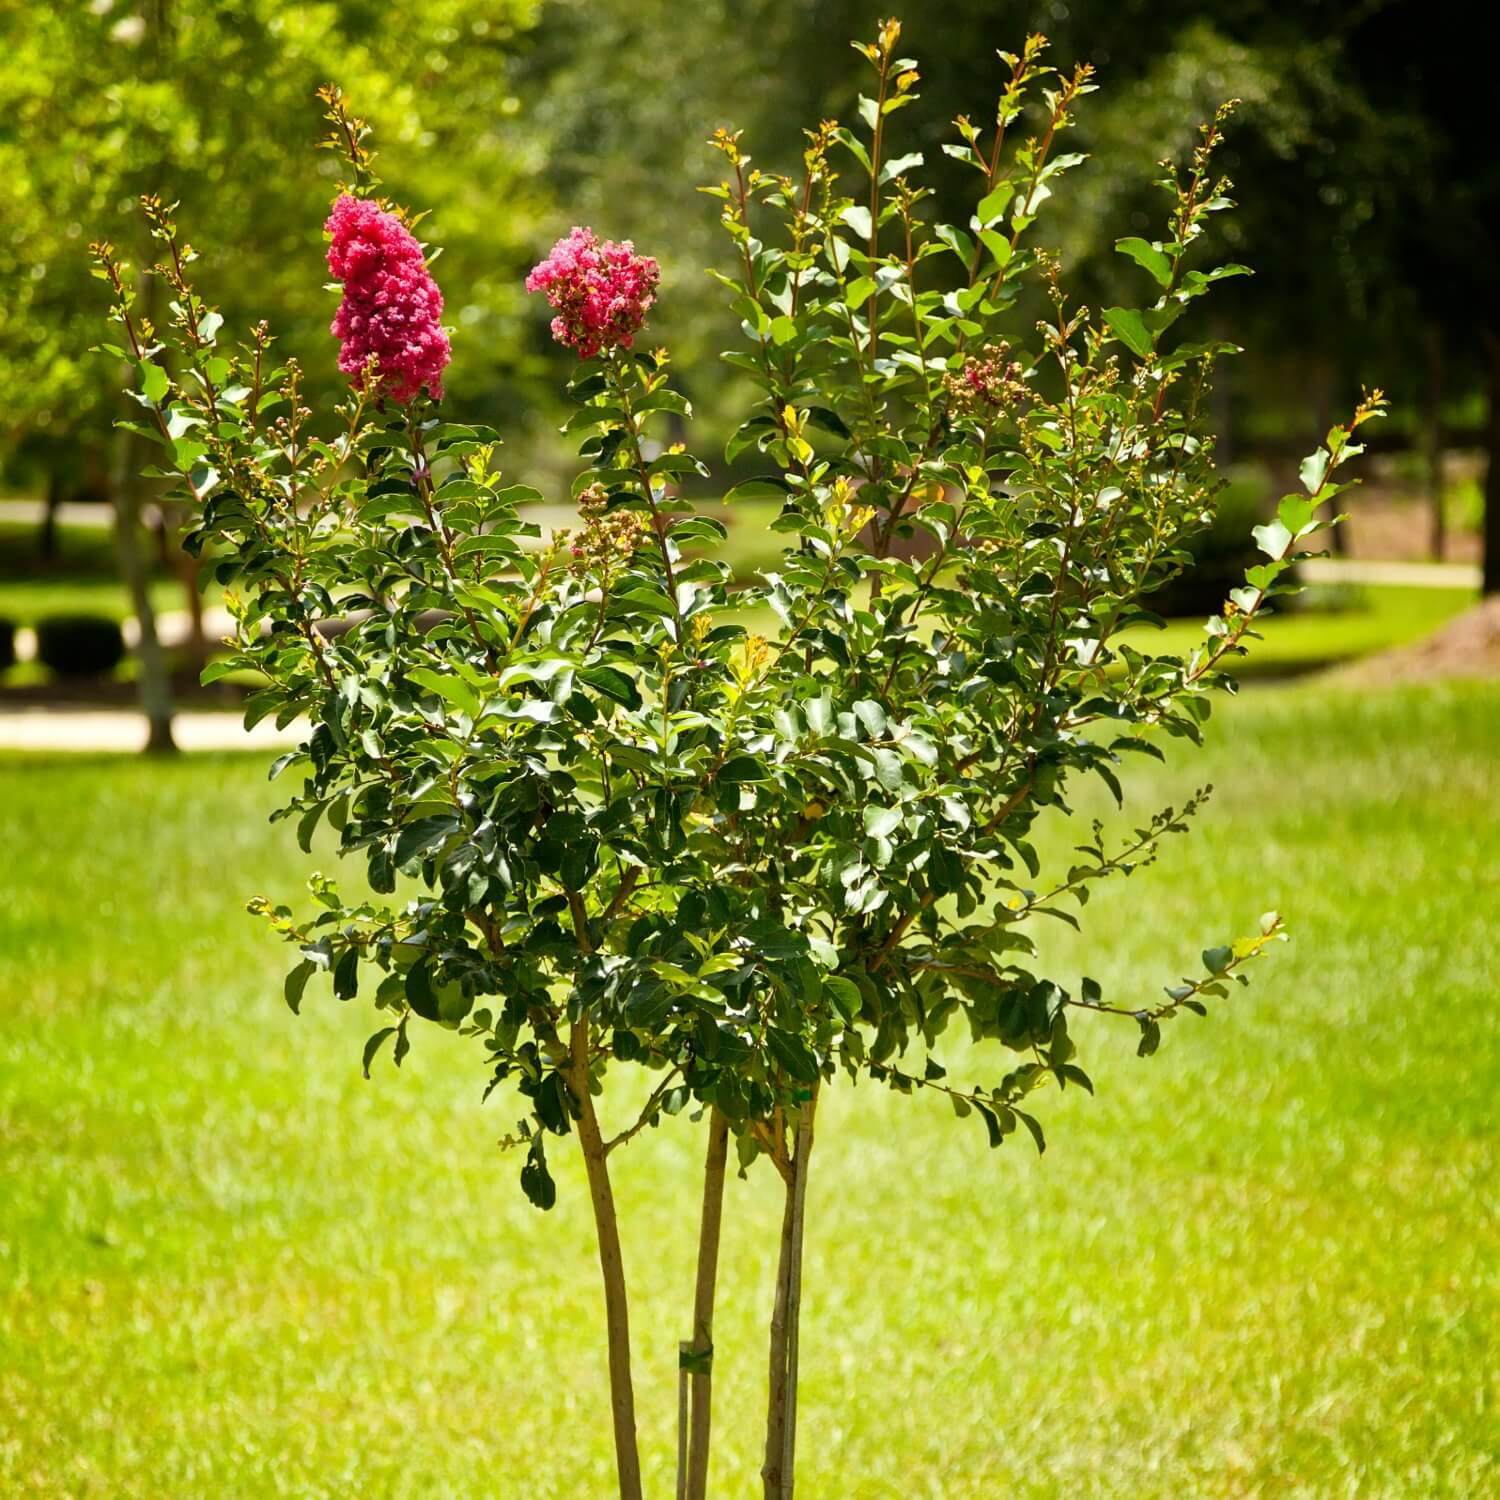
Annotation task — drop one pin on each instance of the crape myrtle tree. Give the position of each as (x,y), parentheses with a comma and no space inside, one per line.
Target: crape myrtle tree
(609,828)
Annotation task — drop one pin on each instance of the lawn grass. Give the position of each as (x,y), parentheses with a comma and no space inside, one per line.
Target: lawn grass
(1262,1263)
(1367,620)
(83,577)
(25,601)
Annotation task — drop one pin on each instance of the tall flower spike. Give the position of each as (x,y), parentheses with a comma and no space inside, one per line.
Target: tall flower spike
(391,309)
(600,292)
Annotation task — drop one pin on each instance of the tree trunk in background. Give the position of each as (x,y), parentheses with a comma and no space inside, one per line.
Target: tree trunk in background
(1432,441)
(185,568)
(1491,584)
(46,539)
(153,680)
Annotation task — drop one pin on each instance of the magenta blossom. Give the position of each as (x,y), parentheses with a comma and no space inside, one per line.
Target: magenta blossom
(392,307)
(600,292)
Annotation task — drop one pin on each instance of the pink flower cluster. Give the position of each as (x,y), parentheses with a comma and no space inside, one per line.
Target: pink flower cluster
(392,307)
(600,292)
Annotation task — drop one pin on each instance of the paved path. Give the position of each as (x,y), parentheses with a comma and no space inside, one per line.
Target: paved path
(96,729)
(1402,574)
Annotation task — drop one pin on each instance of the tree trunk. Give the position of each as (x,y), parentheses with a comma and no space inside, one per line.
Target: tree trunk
(186,567)
(46,541)
(778,1471)
(155,685)
(1432,442)
(1491,584)
(612,1265)
(700,1352)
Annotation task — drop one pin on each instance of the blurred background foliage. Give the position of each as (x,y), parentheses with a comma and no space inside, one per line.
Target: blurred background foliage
(1368,194)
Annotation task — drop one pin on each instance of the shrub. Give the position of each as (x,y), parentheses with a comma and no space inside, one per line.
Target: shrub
(79,645)
(606,824)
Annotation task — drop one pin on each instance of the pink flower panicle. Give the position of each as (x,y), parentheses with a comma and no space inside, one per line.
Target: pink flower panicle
(392,308)
(600,292)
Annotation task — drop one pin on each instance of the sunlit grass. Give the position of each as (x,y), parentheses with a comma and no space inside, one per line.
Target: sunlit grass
(1263,1262)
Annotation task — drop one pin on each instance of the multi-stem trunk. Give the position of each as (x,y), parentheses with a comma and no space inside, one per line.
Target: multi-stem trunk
(699,1353)
(778,1470)
(612,1265)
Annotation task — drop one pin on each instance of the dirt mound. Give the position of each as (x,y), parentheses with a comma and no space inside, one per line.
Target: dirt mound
(1468,646)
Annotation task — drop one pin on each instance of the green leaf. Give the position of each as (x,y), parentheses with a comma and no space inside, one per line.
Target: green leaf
(653,603)
(819,714)
(1148,257)
(740,768)
(1273,539)
(1130,328)
(612,683)
(997,245)
(845,995)
(793,1054)
(155,382)
(899,164)
(872,716)
(858,219)
(991,208)
(373,1046)
(452,690)
(1216,960)
(536,1180)
(991,1124)
(1035,1127)
(757,489)
(419,992)
(957,241)
(1296,513)
(1313,471)
(296,983)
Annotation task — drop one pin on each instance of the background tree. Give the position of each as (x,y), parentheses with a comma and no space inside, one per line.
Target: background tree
(207,101)
(1349,122)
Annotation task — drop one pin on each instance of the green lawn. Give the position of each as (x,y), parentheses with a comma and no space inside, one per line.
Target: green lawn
(84,577)
(26,601)
(85,581)
(1264,1263)
(1301,640)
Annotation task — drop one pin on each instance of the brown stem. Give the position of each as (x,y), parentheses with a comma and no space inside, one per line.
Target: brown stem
(702,1346)
(794,1297)
(778,1470)
(771,1471)
(612,1265)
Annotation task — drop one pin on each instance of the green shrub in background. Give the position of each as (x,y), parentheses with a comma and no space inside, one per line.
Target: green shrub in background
(79,645)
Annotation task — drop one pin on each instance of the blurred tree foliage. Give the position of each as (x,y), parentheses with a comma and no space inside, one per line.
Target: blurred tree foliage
(212,102)
(1319,169)
(1367,187)
(1369,192)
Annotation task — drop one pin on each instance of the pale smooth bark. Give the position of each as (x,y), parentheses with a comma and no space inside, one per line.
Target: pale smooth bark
(612,1265)
(778,1471)
(701,1348)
